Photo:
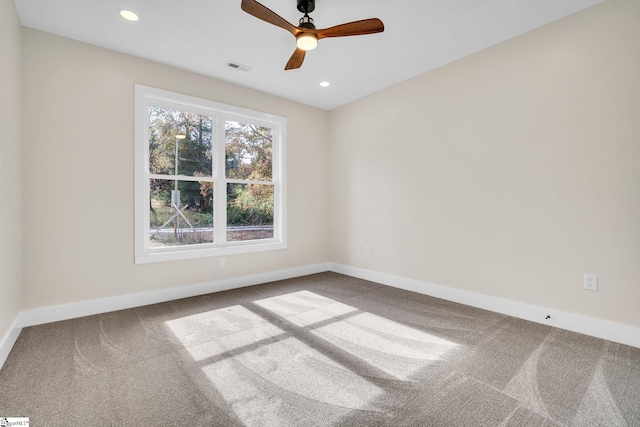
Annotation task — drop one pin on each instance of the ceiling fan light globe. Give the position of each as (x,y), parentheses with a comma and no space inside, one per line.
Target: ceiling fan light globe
(306,41)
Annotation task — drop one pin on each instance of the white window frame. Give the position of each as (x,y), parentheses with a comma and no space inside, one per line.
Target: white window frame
(146,96)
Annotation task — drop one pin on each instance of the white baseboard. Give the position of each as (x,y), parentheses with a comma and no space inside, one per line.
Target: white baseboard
(572,322)
(8,340)
(56,313)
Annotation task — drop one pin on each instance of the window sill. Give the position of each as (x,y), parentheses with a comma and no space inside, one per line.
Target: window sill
(183,253)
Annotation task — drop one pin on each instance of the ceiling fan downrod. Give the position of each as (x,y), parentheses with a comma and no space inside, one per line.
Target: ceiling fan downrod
(306,6)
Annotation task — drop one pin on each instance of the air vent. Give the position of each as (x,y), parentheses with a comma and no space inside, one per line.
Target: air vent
(238,66)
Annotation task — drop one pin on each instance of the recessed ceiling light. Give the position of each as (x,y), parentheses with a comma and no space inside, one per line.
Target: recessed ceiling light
(325,84)
(128,15)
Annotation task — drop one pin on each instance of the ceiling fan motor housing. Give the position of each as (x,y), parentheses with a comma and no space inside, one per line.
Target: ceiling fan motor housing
(306,6)
(307,22)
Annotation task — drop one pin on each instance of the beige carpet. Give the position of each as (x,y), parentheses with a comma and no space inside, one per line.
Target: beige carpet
(321,350)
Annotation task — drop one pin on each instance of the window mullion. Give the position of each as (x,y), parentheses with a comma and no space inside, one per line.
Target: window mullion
(181,178)
(278,217)
(249,181)
(220,192)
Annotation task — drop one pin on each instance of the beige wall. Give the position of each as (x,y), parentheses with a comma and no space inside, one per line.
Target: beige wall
(78,175)
(510,173)
(10,179)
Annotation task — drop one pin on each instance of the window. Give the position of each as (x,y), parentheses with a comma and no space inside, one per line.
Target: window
(210,178)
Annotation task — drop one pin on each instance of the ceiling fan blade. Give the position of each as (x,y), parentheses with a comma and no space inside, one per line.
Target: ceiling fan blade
(296,59)
(254,8)
(357,28)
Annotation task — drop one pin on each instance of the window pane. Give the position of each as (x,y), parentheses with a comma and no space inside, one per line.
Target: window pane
(249,212)
(248,149)
(190,222)
(166,128)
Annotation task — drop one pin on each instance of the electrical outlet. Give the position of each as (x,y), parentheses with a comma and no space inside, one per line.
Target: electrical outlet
(367,250)
(223,262)
(591,282)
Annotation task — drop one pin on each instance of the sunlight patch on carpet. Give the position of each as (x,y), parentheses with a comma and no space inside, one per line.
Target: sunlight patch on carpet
(294,302)
(305,350)
(373,339)
(212,325)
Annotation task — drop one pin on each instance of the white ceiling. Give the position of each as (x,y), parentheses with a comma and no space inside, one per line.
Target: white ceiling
(204,35)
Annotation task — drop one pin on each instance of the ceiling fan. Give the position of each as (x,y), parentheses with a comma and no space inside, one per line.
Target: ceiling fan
(306,34)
